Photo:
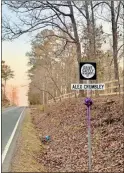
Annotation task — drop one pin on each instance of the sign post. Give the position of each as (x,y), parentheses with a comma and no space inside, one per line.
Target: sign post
(88,91)
(88,103)
(88,72)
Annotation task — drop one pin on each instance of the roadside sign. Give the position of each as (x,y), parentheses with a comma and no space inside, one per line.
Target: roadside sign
(87,71)
(88,86)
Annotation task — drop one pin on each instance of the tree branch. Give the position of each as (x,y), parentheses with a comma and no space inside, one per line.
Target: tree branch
(45,91)
(120,47)
(78,9)
(58,9)
(101,3)
(62,37)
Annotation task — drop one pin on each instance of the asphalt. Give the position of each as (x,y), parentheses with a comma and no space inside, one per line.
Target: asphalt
(10,116)
(5,109)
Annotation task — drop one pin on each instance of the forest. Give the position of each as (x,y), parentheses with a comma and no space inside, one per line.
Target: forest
(65,34)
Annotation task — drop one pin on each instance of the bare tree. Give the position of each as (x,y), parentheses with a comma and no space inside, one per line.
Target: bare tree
(55,18)
(115,12)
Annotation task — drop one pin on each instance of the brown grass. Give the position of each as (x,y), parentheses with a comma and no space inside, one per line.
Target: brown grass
(28,145)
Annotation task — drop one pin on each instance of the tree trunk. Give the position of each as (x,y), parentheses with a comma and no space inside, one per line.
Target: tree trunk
(78,46)
(94,32)
(51,77)
(90,50)
(115,43)
(89,32)
(94,42)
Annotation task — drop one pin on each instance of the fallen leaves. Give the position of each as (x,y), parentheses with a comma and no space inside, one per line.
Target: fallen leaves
(66,123)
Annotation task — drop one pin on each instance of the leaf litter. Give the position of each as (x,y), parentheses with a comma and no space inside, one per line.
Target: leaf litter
(66,123)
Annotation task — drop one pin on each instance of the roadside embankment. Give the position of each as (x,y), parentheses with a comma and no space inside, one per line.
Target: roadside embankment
(66,124)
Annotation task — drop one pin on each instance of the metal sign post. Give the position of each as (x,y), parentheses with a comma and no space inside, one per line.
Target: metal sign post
(89,128)
(88,72)
(88,91)
(88,103)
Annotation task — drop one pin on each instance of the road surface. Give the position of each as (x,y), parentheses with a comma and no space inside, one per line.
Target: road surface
(11,121)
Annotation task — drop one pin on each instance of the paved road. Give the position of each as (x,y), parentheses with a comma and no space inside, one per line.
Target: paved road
(11,118)
(4,109)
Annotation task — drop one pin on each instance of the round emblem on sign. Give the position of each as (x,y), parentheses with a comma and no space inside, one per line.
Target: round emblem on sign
(87,71)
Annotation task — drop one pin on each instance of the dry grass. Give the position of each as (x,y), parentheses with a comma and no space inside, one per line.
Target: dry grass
(28,145)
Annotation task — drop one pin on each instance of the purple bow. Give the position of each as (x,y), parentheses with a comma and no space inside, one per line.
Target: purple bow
(88,102)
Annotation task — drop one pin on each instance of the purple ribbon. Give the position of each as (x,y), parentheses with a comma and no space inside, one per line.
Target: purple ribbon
(88,103)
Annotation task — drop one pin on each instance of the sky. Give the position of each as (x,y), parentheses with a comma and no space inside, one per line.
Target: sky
(13,52)
(14,55)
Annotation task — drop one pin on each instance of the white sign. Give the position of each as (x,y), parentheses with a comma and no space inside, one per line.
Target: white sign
(87,86)
(87,71)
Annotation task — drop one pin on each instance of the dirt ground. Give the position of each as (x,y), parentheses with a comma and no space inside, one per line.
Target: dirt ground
(66,124)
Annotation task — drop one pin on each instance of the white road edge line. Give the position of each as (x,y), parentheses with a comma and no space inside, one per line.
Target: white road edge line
(11,138)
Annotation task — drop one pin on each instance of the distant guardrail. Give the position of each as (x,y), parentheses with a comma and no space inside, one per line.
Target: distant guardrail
(111,88)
